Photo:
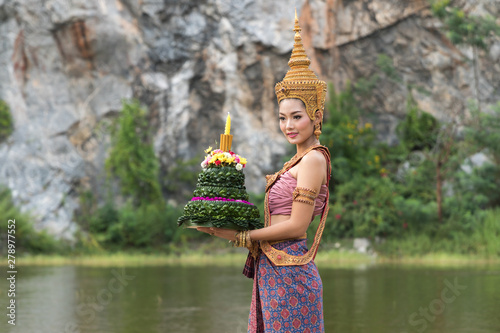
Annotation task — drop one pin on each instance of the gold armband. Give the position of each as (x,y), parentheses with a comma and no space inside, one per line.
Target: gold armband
(305,195)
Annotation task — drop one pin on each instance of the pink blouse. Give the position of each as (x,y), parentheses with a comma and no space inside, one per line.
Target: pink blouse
(280,196)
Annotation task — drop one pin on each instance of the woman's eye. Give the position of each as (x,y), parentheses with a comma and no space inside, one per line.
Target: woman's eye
(282,118)
(297,117)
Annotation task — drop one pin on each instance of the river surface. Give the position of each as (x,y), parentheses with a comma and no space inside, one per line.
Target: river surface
(372,299)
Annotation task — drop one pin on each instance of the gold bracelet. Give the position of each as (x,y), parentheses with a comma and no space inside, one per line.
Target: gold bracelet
(243,239)
(248,239)
(236,241)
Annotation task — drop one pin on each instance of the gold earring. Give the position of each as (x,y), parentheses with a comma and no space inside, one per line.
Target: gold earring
(317,131)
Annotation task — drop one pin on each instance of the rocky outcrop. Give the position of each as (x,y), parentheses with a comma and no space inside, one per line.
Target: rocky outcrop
(65,66)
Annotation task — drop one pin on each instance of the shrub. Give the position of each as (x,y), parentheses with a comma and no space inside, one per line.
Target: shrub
(145,227)
(6,123)
(132,159)
(419,129)
(27,239)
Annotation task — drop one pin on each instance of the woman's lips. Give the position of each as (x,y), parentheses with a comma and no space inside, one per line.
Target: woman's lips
(292,135)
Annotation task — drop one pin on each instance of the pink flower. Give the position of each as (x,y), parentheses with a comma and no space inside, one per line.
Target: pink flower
(405,225)
(338,216)
(355,202)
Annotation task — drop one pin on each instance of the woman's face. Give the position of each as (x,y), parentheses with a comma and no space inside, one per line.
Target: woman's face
(295,124)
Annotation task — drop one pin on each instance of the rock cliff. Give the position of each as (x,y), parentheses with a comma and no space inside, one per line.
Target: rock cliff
(66,65)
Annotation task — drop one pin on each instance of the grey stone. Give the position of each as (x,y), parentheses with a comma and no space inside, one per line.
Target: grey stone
(361,245)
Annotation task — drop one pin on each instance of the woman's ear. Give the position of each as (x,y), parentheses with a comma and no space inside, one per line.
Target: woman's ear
(318,117)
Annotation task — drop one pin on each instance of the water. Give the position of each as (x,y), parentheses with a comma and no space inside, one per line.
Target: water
(375,299)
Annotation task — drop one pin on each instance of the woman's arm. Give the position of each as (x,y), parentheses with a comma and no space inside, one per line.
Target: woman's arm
(311,174)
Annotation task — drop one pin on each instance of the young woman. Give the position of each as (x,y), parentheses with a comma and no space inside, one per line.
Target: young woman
(287,290)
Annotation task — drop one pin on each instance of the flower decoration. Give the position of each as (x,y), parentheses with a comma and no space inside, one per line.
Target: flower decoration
(218,158)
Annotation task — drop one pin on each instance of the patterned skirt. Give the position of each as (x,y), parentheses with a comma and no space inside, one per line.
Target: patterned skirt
(286,298)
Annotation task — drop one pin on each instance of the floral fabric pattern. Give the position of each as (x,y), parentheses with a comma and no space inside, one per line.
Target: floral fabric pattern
(286,299)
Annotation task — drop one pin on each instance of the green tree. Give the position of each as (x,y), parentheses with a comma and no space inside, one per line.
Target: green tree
(484,136)
(132,159)
(419,129)
(362,193)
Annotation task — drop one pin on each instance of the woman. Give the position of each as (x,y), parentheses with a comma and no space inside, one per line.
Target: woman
(287,290)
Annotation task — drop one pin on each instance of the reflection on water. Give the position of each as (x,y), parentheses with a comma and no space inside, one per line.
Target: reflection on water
(376,299)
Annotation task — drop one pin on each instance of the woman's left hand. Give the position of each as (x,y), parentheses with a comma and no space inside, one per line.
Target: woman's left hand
(228,234)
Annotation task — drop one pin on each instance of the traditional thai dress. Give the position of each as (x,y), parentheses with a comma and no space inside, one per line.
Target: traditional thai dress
(287,290)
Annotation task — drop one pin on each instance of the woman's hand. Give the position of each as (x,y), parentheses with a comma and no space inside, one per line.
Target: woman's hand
(228,234)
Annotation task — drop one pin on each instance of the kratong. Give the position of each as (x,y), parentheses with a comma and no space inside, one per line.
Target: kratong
(220,199)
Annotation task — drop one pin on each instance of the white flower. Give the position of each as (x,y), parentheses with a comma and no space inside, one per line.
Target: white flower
(239,167)
(227,155)
(204,164)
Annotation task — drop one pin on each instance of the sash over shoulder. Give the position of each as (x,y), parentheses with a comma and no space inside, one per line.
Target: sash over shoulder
(281,258)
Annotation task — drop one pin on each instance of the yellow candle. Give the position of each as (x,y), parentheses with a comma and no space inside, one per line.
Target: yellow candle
(228,124)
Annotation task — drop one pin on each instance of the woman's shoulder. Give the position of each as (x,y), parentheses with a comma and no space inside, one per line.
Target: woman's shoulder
(314,161)
(314,157)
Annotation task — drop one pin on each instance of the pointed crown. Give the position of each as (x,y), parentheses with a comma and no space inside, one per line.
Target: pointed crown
(300,81)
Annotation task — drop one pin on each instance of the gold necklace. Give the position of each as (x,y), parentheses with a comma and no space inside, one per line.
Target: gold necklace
(298,157)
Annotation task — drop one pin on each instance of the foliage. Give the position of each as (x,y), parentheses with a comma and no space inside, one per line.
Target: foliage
(483,181)
(364,207)
(6,123)
(220,200)
(27,239)
(391,191)
(419,129)
(132,159)
(477,234)
(221,176)
(465,29)
(182,175)
(145,221)
(462,28)
(386,65)
(235,215)
(350,140)
(484,133)
(361,191)
(148,226)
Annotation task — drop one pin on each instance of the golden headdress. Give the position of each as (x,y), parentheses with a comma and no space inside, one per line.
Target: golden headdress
(300,81)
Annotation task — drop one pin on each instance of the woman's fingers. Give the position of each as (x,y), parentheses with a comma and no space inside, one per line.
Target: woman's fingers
(207,230)
(219,232)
